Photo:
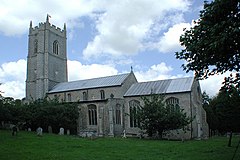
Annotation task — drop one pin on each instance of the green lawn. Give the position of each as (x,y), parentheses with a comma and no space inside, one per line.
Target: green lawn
(26,145)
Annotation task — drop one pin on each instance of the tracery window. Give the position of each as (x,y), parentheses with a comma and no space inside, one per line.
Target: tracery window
(92,114)
(134,106)
(118,114)
(173,103)
(55,47)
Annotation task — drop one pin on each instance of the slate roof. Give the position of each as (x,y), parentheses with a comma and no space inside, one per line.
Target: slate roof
(160,87)
(108,81)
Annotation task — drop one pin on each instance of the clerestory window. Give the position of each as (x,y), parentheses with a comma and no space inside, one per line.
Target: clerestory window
(102,94)
(69,97)
(85,96)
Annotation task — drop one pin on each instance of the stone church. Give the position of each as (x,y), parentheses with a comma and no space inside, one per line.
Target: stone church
(106,104)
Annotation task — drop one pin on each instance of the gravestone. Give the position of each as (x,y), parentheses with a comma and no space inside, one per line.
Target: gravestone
(68,132)
(61,131)
(39,131)
(29,129)
(124,133)
(49,129)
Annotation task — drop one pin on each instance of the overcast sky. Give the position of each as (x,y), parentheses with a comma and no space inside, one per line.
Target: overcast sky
(105,37)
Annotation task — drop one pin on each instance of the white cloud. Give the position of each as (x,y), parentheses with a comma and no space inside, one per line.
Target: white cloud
(170,41)
(213,84)
(122,27)
(155,72)
(16,15)
(126,24)
(78,71)
(12,77)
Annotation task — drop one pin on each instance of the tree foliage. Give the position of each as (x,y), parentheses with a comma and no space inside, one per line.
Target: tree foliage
(156,117)
(212,118)
(212,45)
(223,112)
(39,114)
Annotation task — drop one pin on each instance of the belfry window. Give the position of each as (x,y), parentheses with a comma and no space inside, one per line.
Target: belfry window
(55,47)
(92,114)
(35,46)
(134,106)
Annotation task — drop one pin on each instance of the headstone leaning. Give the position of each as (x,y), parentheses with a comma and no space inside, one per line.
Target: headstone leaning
(61,131)
(39,131)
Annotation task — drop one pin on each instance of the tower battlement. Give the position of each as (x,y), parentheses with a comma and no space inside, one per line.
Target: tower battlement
(47,25)
(51,26)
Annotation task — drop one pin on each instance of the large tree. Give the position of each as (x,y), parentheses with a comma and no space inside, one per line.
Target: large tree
(156,117)
(212,45)
(223,112)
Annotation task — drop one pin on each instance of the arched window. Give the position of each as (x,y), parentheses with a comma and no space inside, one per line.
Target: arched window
(35,46)
(134,106)
(92,114)
(85,96)
(55,47)
(118,114)
(102,94)
(173,103)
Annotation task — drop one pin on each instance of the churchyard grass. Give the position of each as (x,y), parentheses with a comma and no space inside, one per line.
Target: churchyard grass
(29,146)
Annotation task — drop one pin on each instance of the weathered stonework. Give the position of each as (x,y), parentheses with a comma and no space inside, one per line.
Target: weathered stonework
(44,68)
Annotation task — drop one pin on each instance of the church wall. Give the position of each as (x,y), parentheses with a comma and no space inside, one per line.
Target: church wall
(184,103)
(199,123)
(106,118)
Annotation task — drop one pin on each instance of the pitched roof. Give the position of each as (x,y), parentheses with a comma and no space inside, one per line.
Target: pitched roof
(160,87)
(108,81)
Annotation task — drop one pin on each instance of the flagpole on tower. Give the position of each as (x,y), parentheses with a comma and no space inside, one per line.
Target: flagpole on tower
(48,16)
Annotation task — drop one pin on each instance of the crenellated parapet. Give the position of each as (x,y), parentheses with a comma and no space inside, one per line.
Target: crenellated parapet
(47,26)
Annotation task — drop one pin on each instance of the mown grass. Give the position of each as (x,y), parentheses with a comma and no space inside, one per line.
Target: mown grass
(28,146)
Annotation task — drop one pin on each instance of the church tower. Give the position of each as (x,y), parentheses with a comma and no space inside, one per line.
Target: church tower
(47,59)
